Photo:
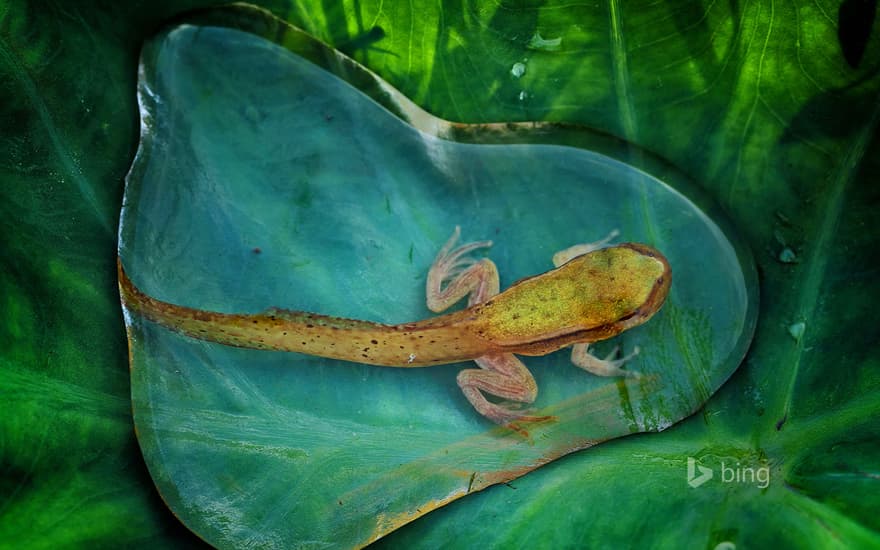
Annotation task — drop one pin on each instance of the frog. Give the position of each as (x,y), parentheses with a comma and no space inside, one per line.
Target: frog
(594,292)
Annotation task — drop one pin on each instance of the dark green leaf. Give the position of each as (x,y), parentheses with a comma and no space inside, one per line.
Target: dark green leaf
(755,101)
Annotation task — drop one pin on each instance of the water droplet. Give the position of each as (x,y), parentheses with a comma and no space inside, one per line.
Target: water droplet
(787,256)
(518,69)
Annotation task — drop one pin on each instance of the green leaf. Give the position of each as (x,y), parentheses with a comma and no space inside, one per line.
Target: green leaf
(755,101)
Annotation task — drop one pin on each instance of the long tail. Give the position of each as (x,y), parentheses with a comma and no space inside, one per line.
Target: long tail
(426,343)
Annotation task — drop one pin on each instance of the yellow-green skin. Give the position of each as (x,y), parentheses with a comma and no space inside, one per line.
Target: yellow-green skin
(592,297)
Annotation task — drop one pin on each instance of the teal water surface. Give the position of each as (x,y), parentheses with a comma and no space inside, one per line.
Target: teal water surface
(264,180)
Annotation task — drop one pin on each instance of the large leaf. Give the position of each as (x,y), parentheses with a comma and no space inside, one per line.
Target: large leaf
(245,143)
(770,106)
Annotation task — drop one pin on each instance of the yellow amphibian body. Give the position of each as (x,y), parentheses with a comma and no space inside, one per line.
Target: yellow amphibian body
(590,298)
(593,294)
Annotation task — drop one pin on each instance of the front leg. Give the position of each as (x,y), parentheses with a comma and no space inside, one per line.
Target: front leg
(580,353)
(452,276)
(563,256)
(582,358)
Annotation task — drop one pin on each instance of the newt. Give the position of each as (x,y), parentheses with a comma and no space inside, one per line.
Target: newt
(594,292)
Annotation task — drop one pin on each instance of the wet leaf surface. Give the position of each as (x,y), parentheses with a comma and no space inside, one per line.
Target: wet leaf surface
(264,180)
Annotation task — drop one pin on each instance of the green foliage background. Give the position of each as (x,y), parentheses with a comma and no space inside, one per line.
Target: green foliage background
(770,105)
